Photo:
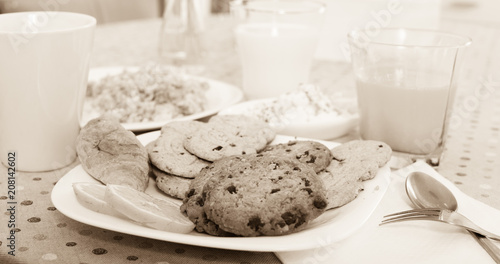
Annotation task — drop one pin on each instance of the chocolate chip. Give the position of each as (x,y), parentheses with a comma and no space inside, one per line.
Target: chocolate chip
(190,193)
(320,204)
(200,202)
(232,189)
(217,148)
(275,190)
(312,159)
(254,223)
(289,218)
(301,219)
(306,182)
(337,159)
(308,190)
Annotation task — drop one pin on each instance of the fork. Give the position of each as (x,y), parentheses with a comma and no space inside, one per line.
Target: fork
(440,215)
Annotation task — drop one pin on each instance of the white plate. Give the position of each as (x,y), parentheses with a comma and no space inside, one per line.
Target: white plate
(324,128)
(333,225)
(220,95)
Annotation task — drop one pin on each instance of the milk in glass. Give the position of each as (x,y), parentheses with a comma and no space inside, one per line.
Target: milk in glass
(275,57)
(408,117)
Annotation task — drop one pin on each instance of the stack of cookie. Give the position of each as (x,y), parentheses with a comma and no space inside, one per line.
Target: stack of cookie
(184,148)
(232,182)
(275,192)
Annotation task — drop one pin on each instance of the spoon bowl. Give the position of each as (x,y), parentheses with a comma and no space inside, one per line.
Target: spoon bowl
(426,192)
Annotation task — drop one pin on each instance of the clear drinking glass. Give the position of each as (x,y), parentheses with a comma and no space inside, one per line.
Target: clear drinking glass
(276,41)
(181,34)
(406,84)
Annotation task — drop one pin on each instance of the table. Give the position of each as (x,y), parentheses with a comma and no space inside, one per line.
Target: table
(471,161)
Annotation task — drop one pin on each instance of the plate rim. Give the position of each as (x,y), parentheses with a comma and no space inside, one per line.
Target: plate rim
(256,244)
(237,96)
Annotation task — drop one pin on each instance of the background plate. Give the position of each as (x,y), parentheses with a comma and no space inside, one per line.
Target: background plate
(324,129)
(220,95)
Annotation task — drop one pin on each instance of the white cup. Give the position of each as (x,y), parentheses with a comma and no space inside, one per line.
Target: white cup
(276,41)
(44,67)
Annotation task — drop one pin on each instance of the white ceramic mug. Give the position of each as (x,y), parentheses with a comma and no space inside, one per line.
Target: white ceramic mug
(44,67)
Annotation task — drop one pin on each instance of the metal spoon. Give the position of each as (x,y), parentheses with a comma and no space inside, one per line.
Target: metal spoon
(426,192)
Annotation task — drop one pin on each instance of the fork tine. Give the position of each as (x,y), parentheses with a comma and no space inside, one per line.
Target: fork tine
(416,211)
(401,219)
(417,214)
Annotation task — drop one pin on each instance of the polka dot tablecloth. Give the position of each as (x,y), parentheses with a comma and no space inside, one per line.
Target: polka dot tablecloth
(44,235)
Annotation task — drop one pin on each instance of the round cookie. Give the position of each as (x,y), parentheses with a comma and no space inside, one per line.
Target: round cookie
(193,202)
(369,155)
(342,183)
(168,153)
(213,142)
(184,127)
(244,125)
(263,195)
(172,185)
(311,153)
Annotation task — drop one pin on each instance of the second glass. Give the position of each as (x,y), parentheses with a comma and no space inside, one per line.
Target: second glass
(276,41)
(406,84)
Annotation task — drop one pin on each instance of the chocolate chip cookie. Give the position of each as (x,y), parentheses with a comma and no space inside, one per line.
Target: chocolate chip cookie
(263,195)
(168,153)
(311,153)
(213,142)
(172,185)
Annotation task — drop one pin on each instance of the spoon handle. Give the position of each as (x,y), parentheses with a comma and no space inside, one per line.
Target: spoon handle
(488,245)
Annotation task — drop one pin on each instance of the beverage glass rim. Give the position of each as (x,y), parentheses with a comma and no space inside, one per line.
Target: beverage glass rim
(462,41)
(87,21)
(320,7)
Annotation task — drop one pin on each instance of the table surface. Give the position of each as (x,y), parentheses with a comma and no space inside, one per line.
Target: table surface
(471,159)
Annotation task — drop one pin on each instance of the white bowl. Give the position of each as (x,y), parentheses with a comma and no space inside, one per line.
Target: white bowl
(326,127)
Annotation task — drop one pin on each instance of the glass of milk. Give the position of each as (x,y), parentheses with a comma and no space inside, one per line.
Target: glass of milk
(406,82)
(276,41)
